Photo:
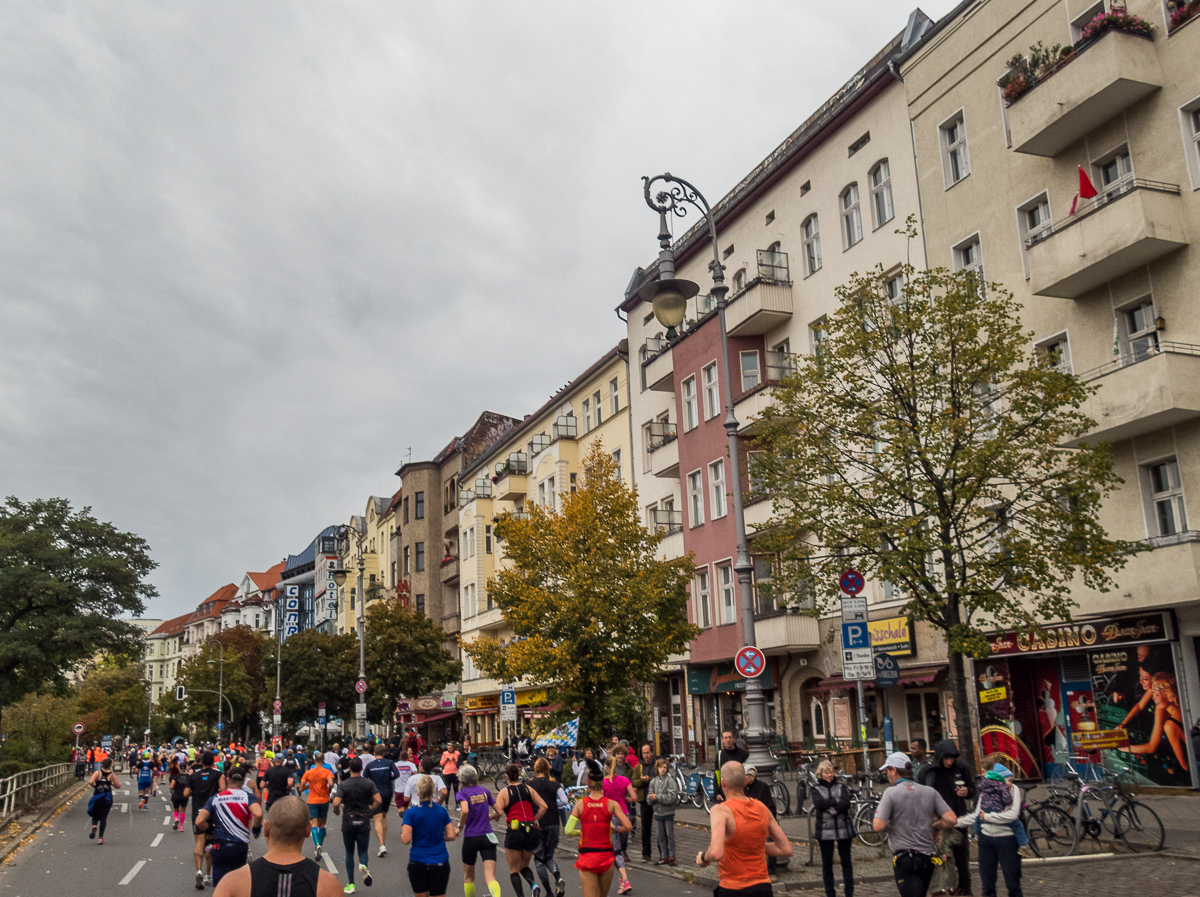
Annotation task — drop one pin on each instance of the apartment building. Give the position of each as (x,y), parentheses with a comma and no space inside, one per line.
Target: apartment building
(254,603)
(163,656)
(205,620)
(537,461)
(1107,287)
(307,576)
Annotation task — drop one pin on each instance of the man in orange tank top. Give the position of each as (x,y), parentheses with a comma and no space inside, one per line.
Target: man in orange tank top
(739,845)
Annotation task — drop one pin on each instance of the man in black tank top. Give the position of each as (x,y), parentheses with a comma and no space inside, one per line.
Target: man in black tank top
(284,871)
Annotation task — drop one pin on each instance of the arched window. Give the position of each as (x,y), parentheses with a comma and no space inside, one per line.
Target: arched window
(851,216)
(881,193)
(812,245)
(818,718)
(739,280)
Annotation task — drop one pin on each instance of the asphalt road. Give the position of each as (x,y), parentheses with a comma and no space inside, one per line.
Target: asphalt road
(142,855)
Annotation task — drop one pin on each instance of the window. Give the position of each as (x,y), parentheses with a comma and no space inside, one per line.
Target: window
(1116,175)
(596,405)
(614,396)
(1055,353)
(805,187)
(695,498)
(616,456)
(406,509)
(1141,339)
(393,574)
(764,598)
(587,409)
(881,193)
(770,216)
(546,493)
(573,481)
(753,487)
(487,539)
(716,479)
(712,399)
(727,252)
(420,603)
(955,163)
(968,256)
(420,557)
(690,419)
(471,542)
(851,216)
(818,718)
(895,288)
(739,280)
(1080,21)
(728,602)
(812,245)
(703,598)
(407,567)
(1166,495)
(859,143)
(750,372)
(817,335)
(1191,139)
(643,354)
(419,510)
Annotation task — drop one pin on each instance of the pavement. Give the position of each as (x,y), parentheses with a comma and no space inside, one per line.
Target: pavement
(143,856)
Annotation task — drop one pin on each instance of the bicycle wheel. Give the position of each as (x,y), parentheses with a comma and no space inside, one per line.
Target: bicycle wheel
(1051,832)
(864,826)
(783,800)
(1140,828)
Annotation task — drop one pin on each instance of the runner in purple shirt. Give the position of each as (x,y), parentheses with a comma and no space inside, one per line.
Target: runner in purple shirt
(477,808)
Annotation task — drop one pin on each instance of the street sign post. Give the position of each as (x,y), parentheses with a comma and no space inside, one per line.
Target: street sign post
(508,706)
(277,719)
(750,662)
(857,658)
(77,728)
(361,686)
(278,706)
(887,671)
(851,582)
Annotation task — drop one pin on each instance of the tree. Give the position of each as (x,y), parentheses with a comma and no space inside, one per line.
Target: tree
(595,612)
(65,578)
(317,667)
(40,727)
(111,697)
(251,647)
(405,657)
(923,445)
(204,685)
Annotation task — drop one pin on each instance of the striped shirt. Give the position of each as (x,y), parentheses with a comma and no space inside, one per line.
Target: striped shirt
(230,814)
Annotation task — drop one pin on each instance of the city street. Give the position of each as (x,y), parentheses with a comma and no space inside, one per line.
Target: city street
(143,856)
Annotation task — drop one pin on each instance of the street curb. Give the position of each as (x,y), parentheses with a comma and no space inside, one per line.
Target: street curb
(61,801)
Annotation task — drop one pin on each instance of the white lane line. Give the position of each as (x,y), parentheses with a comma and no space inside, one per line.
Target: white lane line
(132,872)
(124,807)
(126,792)
(329,864)
(157,840)
(167,819)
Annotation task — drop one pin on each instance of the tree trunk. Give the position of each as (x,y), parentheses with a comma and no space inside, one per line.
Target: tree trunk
(962,709)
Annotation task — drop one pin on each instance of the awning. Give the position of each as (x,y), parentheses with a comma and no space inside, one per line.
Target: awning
(908,676)
(431,719)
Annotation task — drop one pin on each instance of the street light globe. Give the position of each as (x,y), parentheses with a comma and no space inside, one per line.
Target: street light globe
(669,300)
(339,577)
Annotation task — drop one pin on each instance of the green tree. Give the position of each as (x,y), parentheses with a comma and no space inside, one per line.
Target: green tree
(203,683)
(316,667)
(404,657)
(251,647)
(111,697)
(39,727)
(595,611)
(923,445)
(65,579)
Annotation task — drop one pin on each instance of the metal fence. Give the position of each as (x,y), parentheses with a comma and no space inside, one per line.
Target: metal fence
(26,788)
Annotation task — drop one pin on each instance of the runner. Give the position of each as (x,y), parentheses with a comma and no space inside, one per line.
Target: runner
(407,770)
(230,814)
(439,787)
(740,826)
(284,870)
(475,827)
(383,773)
(317,782)
(103,782)
(145,778)
(360,798)
(202,785)
(177,779)
(278,782)
(620,789)
(451,757)
(543,855)
(592,817)
(427,827)
(523,808)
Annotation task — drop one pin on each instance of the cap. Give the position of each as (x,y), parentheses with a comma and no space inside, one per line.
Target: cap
(1003,770)
(897,760)
(751,769)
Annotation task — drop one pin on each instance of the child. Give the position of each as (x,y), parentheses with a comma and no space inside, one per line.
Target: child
(663,795)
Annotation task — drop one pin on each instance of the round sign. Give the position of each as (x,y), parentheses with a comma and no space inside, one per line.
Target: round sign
(887,671)
(361,686)
(750,662)
(851,582)
(77,728)
(278,706)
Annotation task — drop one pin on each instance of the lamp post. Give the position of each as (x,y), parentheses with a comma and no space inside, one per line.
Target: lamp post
(220,689)
(339,577)
(669,295)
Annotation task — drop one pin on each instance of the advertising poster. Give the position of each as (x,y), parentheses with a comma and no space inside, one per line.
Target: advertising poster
(1134,689)
(841,717)
(1051,717)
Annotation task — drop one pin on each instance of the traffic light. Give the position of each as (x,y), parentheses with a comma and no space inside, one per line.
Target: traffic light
(180,692)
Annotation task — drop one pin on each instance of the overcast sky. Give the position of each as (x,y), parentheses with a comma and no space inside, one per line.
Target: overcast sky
(250,254)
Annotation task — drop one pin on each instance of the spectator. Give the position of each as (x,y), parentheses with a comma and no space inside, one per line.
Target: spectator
(832,826)
(949,777)
(909,813)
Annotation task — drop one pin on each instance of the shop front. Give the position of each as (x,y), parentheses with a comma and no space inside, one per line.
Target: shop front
(437,719)
(717,704)
(1103,690)
(481,719)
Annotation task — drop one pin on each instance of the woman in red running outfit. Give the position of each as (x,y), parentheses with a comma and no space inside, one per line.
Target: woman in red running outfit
(593,817)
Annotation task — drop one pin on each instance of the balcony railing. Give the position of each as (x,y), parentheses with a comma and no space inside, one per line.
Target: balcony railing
(779,365)
(539,443)
(773,265)
(667,520)
(1132,357)
(564,427)
(483,488)
(518,462)
(1091,206)
(656,344)
(660,432)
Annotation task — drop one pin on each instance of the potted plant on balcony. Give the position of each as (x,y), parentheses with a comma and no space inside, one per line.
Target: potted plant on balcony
(1024,72)
(448,559)
(1179,12)
(1116,19)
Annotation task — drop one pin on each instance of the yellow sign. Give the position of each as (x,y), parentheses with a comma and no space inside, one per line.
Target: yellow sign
(534,698)
(483,702)
(993,694)
(893,635)
(1106,740)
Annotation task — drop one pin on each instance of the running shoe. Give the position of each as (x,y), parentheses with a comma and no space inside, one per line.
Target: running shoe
(317,856)
(92,834)
(560,888)
(535,889)
(366,874)
(208,880)
(101,841)
(349,889)
(383,850)
(199,880)
(625,887)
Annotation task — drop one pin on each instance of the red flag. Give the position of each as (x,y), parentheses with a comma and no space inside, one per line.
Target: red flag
(1086,190)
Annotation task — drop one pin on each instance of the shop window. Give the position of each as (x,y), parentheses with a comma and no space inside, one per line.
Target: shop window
(818,718)
(924,716)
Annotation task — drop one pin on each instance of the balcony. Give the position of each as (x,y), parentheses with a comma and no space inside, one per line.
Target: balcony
(1143,392)
(778,632)
(751,405)
(564,427)
(539,443)
(762,305)
(660,433)
(449,572)
(1128,225)
(667,520)
(757,513)
(659,369)
(1107,77)
(664,460)
(671,547)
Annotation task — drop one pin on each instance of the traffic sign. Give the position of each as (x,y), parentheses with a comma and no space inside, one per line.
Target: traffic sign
(856,635)
(277,719)
(508,705)
(851,582)
(77,728)
(854,610)
(857,661)
(320,705)
(321,720)
(277,706)
(887,671)
(361,686)
(220,726)
(360,711)
(750,662)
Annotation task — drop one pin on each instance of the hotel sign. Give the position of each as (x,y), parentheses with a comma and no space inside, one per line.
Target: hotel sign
(1128,630)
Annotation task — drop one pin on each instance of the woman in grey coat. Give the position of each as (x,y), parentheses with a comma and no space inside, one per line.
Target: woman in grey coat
(832,825)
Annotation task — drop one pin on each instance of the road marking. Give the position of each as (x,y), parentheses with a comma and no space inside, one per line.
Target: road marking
(329,864)
(124,807)
(126,792)
(132,872)
(167,819)
(157,840)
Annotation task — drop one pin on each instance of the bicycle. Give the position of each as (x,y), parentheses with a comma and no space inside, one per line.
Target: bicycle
(1121,814)
(1050,828)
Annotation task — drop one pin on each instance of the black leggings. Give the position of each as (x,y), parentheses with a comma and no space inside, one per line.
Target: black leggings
(543,857)
(100,812)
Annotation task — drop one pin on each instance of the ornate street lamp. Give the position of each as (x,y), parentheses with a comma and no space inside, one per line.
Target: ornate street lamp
(339,578)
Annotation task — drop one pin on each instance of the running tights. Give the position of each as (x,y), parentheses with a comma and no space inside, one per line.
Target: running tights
(362,839)
(101,818)
(516,877)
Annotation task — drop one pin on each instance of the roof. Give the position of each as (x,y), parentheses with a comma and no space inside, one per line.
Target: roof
(267,580)
(395,502)
(486,429)
(381,505)
(309,554)
(534,419)
(173,626)
(214,603)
